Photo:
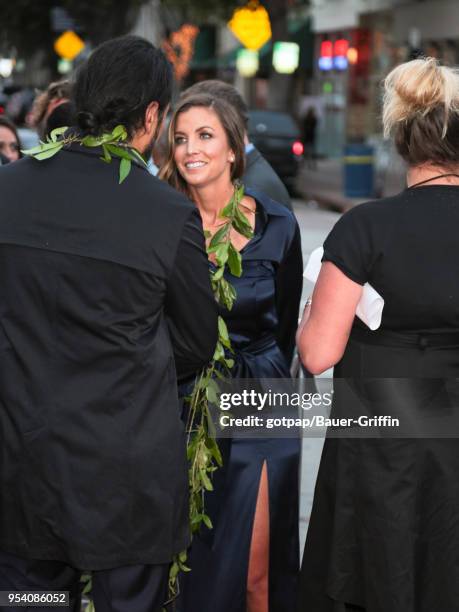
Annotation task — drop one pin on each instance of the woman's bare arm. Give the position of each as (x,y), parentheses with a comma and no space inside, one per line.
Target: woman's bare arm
(326,324)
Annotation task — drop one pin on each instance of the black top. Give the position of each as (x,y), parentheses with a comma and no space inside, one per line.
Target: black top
(383,533)
(102,284)
(407,248)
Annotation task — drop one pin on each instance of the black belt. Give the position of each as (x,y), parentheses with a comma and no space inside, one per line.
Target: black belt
(406,339)
(260,345)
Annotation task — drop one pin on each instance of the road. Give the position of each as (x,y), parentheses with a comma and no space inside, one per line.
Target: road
(315,224)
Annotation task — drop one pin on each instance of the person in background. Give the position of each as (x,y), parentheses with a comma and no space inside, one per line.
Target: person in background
(53,108)
(249,561)
(309,136)
(258,172)
(10,145)
(159,152)
(161,148)
(384,531)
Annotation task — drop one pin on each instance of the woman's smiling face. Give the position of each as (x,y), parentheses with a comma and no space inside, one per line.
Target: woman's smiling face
(201,149)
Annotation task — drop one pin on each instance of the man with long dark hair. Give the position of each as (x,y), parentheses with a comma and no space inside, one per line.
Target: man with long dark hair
(105,299)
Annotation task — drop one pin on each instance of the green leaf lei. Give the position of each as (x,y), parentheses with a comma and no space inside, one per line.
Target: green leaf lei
(203,453)
(112,144)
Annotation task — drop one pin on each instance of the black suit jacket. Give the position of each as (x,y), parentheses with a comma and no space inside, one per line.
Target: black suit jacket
(260,175)
(100,285)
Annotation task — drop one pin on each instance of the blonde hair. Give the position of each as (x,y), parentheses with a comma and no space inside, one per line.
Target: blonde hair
(421,110)
(232,125)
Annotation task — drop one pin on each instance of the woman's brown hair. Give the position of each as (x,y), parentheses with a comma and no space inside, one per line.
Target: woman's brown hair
(232,125)
(421,111)
(7,123)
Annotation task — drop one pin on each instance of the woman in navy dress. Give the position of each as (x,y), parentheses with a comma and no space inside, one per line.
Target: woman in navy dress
(249,560)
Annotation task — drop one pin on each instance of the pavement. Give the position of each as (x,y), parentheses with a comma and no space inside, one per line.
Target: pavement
(315,224)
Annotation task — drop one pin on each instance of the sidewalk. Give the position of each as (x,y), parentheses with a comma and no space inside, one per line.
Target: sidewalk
(325,183)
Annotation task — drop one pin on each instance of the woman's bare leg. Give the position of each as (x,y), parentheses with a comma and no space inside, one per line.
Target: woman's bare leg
(257,579)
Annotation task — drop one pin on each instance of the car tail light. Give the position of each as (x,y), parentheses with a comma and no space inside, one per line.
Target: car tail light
(2,110)
(297,148)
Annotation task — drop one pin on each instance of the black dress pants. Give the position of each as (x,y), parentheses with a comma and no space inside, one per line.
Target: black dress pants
(132,588)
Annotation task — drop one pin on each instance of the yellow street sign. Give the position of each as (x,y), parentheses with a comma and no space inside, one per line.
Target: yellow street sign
(69,45)
(251,26)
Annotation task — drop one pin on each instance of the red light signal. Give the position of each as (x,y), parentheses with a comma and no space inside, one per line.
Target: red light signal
(340,47)
(326,48)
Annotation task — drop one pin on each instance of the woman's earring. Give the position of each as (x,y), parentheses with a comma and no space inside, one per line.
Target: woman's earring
(231,159)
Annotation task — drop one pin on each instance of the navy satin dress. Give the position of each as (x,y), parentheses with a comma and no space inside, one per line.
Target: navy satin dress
(262,327)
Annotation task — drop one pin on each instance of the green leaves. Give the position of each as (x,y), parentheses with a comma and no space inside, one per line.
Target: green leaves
(223,333)
(137,157)
(211,394)
(119,133)
(48,150)
(241,224)
(57,132)
(125,168)
(112,146)
(219,236)
(214,450)
(95,141)
(106,154)
(203,453)
(207,522)
(86,579)
(119,151)
(44,150)
(221,254)
(234,261)
(225,293)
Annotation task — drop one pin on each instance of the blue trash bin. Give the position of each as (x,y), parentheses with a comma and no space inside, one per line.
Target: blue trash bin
(358,171)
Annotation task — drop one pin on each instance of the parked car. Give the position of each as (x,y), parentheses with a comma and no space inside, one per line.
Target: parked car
(277,136)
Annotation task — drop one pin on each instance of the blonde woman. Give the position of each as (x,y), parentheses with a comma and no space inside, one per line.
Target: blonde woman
(384,530)
(249,562)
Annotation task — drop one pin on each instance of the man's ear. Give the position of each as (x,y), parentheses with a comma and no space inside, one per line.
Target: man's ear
(151,117)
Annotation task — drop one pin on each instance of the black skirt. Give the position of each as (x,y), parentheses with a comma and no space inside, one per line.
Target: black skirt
(384,528)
